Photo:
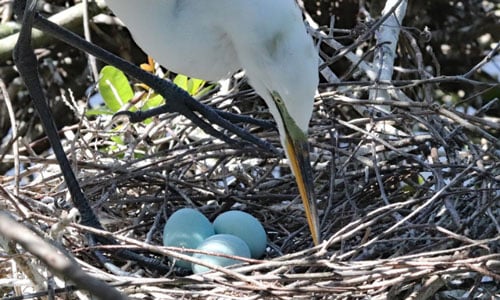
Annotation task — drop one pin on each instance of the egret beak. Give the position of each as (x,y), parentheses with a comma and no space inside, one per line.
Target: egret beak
(297,148)
(298,152)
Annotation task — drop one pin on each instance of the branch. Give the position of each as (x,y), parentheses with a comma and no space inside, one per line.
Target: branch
(71,18)
(387,39)
(56,261)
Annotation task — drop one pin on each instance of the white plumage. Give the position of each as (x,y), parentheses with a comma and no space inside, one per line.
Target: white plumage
(212,39)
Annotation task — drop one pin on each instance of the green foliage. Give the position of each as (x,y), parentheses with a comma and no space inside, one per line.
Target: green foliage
(116,91)
(114,88)
(191,85)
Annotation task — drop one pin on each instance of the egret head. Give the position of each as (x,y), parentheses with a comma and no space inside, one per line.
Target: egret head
(284,71)
(294,141)
(281,63)
(268,39)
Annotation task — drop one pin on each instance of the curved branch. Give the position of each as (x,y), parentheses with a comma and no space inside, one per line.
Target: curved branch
(56,261)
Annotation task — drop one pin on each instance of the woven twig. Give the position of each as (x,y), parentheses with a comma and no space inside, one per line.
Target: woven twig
(409,200)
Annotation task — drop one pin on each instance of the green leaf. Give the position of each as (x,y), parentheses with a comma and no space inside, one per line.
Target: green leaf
(190,85)
(421,180)
(99,111)
(118,140)
(114,88)
(181,81)
(205,90)
(153,102)
(194,85)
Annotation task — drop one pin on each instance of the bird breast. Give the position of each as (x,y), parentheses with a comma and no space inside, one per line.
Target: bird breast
(181,35)
(212,39)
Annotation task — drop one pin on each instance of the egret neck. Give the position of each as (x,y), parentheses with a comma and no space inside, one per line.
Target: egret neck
(213,39)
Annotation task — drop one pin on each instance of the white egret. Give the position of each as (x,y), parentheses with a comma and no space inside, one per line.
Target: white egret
(214,39)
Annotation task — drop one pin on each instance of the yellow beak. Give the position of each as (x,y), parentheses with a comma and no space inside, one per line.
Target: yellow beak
(298,152)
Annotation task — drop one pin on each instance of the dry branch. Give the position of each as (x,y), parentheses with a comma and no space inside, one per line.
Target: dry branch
(409,198)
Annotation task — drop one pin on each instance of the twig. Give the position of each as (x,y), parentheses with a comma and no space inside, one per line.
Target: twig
(54,259)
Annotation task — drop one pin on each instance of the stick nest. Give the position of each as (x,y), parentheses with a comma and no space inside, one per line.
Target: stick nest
(408,199)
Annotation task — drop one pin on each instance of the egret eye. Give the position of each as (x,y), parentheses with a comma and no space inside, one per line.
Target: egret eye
(276,96)
(278,100)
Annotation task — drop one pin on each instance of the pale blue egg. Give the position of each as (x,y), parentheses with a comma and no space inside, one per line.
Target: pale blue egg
(223,244)
(244,226)
(186,228)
